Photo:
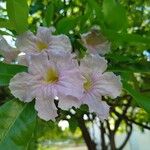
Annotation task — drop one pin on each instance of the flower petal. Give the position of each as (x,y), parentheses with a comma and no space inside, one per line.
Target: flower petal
(46,107)
(9,53)
(27,42)
(22,59)
(93,63)
(60,42)
(68,102)
(95,42)
(38,63)
(97,105)
(4,46)
(71,85)
(44,34)
(108,84)
(22,86)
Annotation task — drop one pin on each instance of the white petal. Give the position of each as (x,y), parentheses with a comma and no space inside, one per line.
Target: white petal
(95,42)
(22,60)
(8,52)
(44,34)
(92,63)
(27,42)
(46,108)
(68,102)
(109,84)
(22,86)
(96,105)
(101,49)
(38,63)
(4,46)
(71,83)
(63,60)
(60,42)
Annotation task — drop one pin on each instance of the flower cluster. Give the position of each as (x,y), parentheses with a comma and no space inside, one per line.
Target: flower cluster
(54,74)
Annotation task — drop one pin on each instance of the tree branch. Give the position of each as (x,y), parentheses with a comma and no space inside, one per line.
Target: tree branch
(90,144)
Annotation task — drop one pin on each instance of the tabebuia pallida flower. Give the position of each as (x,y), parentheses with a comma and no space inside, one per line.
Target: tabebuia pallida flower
(53,71)
(95,41)
(9,53)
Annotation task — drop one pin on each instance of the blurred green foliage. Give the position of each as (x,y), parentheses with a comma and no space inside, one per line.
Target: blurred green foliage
(125,23)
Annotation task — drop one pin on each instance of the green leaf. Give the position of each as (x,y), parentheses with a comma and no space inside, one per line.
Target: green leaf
(130,67)
(7,71)
(73,124)
(131,39)
(114,15)
(140,99)
(5,23)
(98,11)
(18,14)
(66,24)
(17,125)
(49,14)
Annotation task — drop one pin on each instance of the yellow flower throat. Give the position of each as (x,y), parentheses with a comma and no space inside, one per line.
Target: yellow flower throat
(51,76)
(87,84)
(41,45)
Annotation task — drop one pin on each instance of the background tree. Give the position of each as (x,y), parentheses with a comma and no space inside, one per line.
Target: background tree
(125,23)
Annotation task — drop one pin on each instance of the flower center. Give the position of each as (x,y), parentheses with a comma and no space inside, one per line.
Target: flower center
(87,84)
(41,45)
(51,76)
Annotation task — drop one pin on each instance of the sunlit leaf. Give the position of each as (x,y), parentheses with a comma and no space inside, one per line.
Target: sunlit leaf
(17,125)
(114,15)
(66,24)
(7,71)
(18,14)
(49,14)
(140,99)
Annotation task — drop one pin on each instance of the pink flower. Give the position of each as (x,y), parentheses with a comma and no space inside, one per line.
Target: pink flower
(95,42)
(9,53)
(97,83)
(42,41)
(47,79)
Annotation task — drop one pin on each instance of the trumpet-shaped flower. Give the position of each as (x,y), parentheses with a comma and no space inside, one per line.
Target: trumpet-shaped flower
(9,53)
(42,41)
(97,83)
(95,42)
(47,79)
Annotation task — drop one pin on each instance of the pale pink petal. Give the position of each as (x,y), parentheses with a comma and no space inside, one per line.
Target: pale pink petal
(68,102)
(96,105)
(22,86)
(23,60)
(93,63)
(27,42)
(45,107)
(44,34)
(95,42)
(71,83)
(9,53)
(38,63)
(4,46)
(101,49)
(60,42)
(108,84)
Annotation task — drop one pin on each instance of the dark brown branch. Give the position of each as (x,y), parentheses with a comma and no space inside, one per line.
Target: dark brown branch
(137,123)
(90,144)
(103,144)
(111,137)
(131,120)
(127,137)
